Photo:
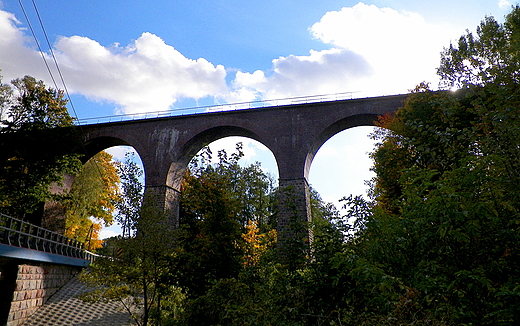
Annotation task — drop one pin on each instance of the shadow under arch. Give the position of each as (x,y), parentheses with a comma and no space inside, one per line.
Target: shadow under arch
(98,144)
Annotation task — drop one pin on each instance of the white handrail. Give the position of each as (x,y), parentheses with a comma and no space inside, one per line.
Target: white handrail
(218,108)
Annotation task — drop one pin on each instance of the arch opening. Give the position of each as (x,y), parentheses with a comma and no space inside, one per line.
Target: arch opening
(254,151)
(225,137)
(96,145)
(250,187)
(341,166)
(117,152)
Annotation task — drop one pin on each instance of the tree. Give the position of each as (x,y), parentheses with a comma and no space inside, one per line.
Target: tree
(132,194)
(34,154)
(94,194)
(134,273)
(249,188)
(253,288)
(442,244)
(212,215)
(218,271)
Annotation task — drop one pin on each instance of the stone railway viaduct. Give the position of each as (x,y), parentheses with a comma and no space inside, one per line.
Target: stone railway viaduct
(293,133)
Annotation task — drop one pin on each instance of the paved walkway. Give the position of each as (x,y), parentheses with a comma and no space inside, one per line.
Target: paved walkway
(63,308)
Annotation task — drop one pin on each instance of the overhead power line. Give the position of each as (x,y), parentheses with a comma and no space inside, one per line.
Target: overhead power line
(57,67)
(55,61)
(37,43)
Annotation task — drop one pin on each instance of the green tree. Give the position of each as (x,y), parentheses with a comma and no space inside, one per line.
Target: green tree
(214,209)
(134,275)
(250,190)
(219,271)
(136,267)
(33,155)
(442,243)
(258,290)
(132,194)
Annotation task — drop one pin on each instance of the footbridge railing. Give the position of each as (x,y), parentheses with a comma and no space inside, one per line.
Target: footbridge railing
(218,108)
(21,234)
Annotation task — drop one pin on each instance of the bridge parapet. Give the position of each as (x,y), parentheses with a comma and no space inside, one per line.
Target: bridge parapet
(219,108)
(15,233)
(34,264)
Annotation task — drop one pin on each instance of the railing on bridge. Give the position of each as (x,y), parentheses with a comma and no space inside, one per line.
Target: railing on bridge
(18,233)
(219,108)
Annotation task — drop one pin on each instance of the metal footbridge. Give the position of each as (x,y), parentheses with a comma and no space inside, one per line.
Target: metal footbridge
(23,240)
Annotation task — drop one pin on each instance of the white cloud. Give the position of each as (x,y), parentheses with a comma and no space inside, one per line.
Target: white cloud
(401,46)
(321,72)
(119,152)
(17,57)
(378,51)
(503,4)
(228,144)
(147,75)
(330,152)
(109,232)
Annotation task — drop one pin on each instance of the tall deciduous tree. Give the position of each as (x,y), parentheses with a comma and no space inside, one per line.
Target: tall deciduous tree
(443,242)
(248,187)
(217,202)
(92,200)
(33,153)
(132,194)
(133,274)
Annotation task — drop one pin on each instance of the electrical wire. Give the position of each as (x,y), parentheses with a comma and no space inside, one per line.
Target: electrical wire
(57,69)
(55,61)
(37,43)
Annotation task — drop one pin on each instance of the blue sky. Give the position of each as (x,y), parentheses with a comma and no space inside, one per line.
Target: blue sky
(141,56)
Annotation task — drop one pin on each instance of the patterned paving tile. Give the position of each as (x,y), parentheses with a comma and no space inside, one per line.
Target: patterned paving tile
(64,308)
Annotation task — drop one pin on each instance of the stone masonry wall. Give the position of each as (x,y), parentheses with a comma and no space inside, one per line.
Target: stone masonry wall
(35,284)
(294,235)
(166,200)
(294,202)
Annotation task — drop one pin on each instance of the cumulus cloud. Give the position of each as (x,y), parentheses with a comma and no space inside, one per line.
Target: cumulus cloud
(503,4)
(378,51)
(403,49)
(110,232)
(147,75)
(321,72)
(119,152)
(17,56)
(253,151)
(374,50)
(250,147)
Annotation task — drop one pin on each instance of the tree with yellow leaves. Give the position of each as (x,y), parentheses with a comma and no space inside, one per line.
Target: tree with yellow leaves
(92,200)
(256,243)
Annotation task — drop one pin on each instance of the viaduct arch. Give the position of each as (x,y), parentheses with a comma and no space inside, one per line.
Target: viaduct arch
(293,133)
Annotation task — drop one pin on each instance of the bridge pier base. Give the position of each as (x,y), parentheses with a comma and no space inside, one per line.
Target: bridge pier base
(166,200)
(294,216)
(54,213)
